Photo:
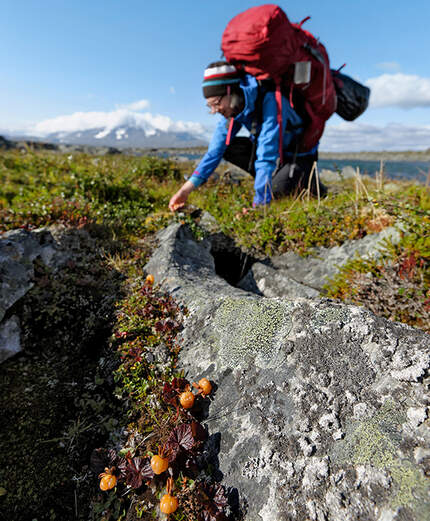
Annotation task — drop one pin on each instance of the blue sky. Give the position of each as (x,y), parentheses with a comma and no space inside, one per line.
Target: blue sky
(67,63)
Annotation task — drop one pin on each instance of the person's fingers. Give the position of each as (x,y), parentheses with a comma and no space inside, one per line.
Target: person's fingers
(174,204)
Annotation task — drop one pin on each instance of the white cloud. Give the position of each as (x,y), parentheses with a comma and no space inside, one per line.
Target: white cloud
(116,119)
(389,66)
(399,90)
(354,137)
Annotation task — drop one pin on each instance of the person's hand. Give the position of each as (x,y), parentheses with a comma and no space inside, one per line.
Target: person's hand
(178,200)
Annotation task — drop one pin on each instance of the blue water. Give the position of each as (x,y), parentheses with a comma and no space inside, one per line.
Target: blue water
(411,170)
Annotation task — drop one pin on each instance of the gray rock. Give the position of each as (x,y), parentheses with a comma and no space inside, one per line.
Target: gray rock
(19,249)
(271,282)
(348,172)
(331,176)
(295,276)
(185,267)
(10,338)
(209,223)
(321,407)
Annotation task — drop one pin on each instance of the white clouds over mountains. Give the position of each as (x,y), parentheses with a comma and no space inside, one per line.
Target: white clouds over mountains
(124,116)
(399,90)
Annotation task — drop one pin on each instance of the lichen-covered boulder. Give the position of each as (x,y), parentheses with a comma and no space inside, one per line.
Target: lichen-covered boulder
(322,408)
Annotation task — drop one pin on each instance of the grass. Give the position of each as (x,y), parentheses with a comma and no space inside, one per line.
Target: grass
(60,397)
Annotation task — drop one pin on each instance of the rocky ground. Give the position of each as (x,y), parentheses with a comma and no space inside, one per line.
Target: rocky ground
(321,408)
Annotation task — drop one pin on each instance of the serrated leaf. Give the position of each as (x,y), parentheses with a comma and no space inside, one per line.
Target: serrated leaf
(137,471)
(182,435)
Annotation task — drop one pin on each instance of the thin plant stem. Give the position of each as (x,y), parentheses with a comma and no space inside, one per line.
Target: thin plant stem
(310,179)
(317,180)
(380,179)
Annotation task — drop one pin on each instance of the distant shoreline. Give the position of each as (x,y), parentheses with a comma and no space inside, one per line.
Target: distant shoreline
(384,155)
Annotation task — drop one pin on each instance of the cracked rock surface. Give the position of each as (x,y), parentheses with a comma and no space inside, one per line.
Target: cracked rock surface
(292,276)
(322,408)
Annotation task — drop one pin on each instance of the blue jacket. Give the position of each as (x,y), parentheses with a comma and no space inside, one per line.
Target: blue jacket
(267,151)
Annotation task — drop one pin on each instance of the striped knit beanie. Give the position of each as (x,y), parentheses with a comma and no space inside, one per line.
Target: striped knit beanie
(217,77)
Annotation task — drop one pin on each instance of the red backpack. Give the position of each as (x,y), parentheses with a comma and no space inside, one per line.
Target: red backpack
(262,42)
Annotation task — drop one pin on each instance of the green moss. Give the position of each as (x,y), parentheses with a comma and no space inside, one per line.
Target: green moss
(260,327)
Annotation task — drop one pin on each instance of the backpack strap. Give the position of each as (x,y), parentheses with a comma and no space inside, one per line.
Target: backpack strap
(263,87)
(230,130)
(278,97)
(303,21)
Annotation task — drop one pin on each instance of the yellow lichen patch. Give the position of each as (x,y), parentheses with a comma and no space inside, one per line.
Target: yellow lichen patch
(251,329)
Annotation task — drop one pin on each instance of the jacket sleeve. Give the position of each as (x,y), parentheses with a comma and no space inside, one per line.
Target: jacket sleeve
(214,154)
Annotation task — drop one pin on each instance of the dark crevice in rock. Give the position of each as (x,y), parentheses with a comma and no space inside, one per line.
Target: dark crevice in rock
(231,263)
(232,266)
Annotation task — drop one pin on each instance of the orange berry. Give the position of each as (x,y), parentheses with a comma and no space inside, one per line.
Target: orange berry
(168,504)
(108,481)
(187,399)
(159,464)
(150,279)
(205,386)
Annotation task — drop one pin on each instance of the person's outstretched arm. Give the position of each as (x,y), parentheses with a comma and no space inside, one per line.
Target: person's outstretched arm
(206,166)
(178,200)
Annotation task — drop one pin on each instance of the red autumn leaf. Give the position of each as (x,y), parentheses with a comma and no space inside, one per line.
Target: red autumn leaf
(180,438)
(220,496)
(179,384)
(169,394)
(146,470)
(137,470)
(214,500)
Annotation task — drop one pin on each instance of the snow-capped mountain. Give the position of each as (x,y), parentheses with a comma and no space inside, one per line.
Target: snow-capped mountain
(125,137)
(124,127)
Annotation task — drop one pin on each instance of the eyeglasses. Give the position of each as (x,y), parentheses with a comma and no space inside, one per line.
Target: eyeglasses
(214,105)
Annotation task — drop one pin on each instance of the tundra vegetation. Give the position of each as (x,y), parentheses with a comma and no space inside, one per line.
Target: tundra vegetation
(89,379)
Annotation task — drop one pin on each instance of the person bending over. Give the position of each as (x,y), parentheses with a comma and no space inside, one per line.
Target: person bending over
(244,102)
